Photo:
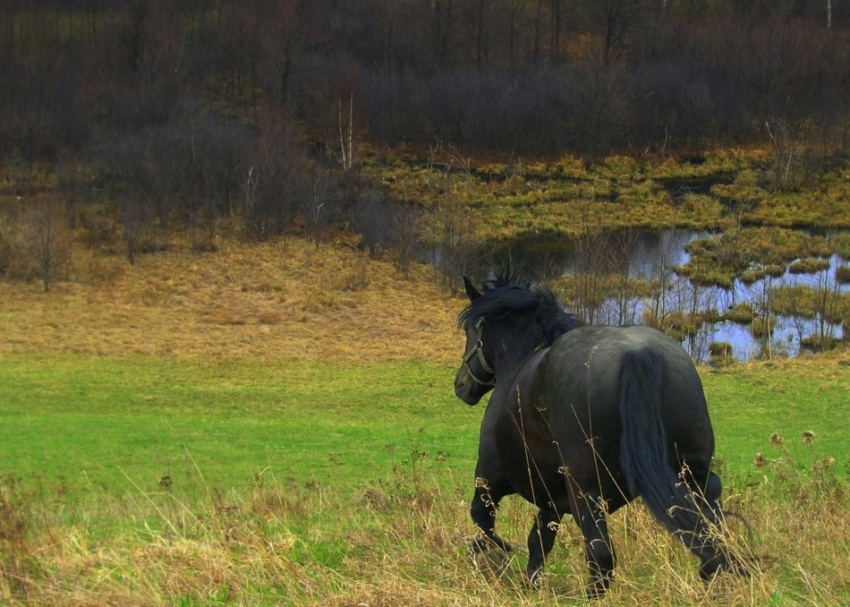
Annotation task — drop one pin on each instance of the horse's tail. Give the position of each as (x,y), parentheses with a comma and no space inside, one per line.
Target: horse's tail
(645,458)
(644,451)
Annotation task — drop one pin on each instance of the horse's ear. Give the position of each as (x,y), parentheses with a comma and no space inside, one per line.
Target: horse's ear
(471,291)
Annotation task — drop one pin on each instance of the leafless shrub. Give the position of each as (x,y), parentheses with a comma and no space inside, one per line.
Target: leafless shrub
(457,246)
(35,241)
(367,217)
(137,223)
(280,183)
(388,225)
(405,228)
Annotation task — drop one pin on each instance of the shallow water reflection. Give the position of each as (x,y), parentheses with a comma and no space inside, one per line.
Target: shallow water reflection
(650,255)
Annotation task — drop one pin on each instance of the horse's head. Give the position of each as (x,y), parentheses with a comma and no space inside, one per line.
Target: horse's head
(503,325)
(475,376)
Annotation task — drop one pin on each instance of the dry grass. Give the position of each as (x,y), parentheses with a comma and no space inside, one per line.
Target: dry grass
(286,299)
(405,546)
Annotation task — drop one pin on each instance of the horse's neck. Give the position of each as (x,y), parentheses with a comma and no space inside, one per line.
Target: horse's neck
(518,358)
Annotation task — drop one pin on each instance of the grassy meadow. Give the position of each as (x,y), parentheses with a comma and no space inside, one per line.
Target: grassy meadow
(275,425)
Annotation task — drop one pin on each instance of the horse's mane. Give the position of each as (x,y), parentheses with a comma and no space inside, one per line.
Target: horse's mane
(505,295)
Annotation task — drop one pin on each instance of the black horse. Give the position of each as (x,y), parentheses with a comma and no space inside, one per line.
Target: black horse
(582,420)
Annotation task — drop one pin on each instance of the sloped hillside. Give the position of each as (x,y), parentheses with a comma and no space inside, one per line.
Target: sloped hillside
(287,299)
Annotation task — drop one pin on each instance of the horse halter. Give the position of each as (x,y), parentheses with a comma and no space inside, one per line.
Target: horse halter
(477,350)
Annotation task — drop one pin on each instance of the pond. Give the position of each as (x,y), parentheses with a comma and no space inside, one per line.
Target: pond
(652,256)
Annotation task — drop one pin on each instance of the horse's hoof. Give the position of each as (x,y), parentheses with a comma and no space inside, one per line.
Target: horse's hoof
(729,564)
(598,587)
(536,579)
(483,544)
(492,563)
(738,566)
(596,591)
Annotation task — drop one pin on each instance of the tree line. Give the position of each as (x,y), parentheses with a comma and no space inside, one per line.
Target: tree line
(522,76)
(199,109)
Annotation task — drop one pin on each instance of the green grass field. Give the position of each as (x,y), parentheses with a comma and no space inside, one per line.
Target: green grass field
(346,484)
(73,422)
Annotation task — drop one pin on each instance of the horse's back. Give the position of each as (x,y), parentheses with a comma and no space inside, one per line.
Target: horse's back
(579,384)
(588,360)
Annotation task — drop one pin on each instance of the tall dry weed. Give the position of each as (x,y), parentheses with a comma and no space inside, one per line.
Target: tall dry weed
(20,566)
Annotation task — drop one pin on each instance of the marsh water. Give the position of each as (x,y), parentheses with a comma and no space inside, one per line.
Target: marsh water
(648,256)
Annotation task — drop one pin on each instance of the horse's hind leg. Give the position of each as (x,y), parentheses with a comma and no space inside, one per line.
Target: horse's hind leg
(703,482)
(713,554)
(707,488)
(590,516)
(540,541)
(485,501)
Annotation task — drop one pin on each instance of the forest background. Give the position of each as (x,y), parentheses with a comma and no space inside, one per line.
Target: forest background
(140,115)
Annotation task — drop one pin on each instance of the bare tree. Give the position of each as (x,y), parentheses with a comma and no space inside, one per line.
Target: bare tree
(481,12)
(347,147)
(622,244)
(764,305)
(613,20)
(444,18)
(283,181)
(136,220)
(662,283)
(456,242)
(316,204)
(452,225)
(282,39)
(250,213)
(827,304)
(557,27)
(589,289)
(135,34)
(47,237)
(781,137)
(404,227)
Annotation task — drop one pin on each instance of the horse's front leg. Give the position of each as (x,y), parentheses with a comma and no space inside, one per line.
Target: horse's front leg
(540,542)
(485,502)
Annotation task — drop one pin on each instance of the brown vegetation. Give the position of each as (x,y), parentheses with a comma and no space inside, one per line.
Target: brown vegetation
(287,299)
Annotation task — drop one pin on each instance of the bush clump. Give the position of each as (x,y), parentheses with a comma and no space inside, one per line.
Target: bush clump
(810,265)
(720,352)
(742,314)
(842,274)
